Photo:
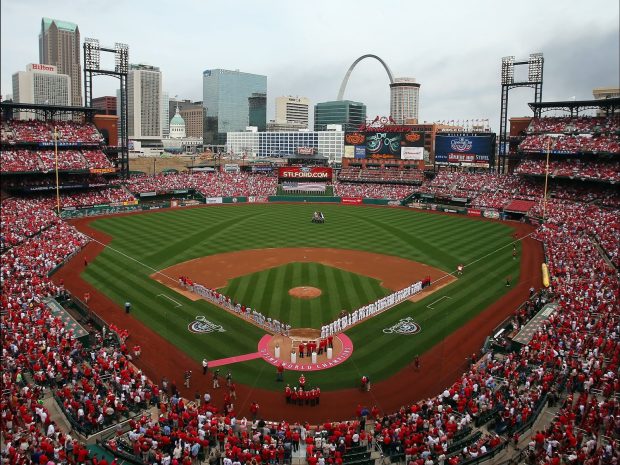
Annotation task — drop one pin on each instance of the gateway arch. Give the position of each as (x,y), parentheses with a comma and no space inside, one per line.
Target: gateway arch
(343,86)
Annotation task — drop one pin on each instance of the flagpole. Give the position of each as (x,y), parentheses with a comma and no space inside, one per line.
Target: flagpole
(546,180)
(56,162)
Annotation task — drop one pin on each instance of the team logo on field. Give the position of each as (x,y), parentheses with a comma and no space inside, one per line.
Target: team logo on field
(461,144)
(405,326)
(202,325)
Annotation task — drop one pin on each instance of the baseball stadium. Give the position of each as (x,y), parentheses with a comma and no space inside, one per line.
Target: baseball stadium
(442,295)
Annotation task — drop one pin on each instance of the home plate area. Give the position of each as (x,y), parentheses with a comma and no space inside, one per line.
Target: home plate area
(284,350)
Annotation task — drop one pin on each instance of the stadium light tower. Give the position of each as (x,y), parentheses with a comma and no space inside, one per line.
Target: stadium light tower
(92,67)
(534,64)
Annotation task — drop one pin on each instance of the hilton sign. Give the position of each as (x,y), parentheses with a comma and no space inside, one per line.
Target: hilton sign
(39,67)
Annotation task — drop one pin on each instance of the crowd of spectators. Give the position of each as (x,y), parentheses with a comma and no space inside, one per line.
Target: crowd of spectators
(35,131)
(373,191)
(581,169)
(574,125)
(207,184)
(15,161)
(391,175)
(584,143)
(574,356)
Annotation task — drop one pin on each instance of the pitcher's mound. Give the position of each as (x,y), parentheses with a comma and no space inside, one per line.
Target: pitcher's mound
(304,292)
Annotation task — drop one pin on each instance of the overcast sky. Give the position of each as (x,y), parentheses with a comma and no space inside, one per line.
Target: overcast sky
(452,47)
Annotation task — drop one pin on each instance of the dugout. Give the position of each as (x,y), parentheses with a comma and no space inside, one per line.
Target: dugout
(517,209)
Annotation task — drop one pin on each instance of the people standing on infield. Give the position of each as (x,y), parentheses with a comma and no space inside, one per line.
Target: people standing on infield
(205,366)
(302,382)
(216,381)
(127,307)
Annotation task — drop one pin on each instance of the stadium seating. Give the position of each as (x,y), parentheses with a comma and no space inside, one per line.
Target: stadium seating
(575,356)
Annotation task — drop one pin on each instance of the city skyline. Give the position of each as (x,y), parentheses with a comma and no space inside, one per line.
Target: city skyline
(454,50)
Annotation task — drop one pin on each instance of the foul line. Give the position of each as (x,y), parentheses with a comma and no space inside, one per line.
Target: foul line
(438,300)
(484,256)
(170,298)
(131,258)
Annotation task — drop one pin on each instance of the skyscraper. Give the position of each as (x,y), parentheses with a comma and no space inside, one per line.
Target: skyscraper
(144,100)
(292,110)
(347,113)
(165,114)
(59,46)
(404,99)
(226,99)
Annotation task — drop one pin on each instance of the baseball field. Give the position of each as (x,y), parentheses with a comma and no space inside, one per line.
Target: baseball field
(218,247)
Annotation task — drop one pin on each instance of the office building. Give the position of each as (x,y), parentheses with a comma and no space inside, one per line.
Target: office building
(193,115)
(144,100)
(328,144)
(292,110)
(257,110)
(41,84)
(404,100)
(165,114)
(226,99)
(107,104)
(350,115)
(59,46)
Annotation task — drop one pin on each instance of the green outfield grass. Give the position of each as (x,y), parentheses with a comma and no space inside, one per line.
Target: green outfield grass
(267,291)
(157,240)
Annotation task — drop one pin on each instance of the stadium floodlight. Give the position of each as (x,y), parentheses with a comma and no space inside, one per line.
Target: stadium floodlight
(508,69)
(92,52)
(121,58)
(535,67)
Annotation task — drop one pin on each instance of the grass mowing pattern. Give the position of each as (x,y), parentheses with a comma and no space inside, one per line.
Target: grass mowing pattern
(164,238)
(267,292)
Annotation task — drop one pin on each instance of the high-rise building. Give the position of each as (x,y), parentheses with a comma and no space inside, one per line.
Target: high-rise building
(257,110)
(165,114)
(226,99)
(107,104)
(347,113)
(292,110)
(59,46)
(144,100)
(404,99)
(41,84)
(193,114)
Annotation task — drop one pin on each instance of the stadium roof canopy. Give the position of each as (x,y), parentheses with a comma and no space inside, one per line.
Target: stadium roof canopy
(574,107)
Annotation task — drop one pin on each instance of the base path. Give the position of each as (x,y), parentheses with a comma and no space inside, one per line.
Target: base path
(440,366)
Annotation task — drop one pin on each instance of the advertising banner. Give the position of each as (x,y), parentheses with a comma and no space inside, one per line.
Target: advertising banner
(354,138)
(412,153)
(473,212)
(383,144)
(351,200)
(349,151)
(317,173)
(464,149)
(102,170)
(360,151)
(213,200)
(255,199)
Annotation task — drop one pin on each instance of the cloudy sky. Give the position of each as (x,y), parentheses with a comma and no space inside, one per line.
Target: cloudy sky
(452,47)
